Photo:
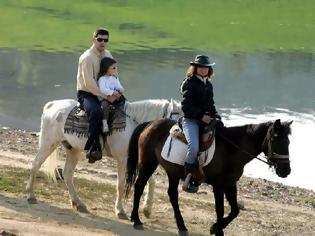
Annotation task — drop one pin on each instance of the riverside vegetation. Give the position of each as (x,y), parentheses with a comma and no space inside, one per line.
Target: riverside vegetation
(224,26)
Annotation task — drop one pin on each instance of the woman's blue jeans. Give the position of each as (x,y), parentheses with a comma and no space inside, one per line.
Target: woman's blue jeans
(191,131)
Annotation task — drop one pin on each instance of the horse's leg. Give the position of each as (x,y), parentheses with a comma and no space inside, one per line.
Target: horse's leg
(121,178)
(42,154)
(148,200)
(231,196)
(217,228)
(144,174)
(68,171)
(173,195)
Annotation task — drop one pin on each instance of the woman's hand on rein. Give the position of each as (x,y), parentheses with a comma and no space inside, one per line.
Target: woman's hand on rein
(206,119)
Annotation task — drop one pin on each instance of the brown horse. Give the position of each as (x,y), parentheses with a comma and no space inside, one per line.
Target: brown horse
(235,147)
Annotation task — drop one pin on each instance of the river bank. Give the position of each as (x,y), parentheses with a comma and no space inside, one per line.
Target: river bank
(270,208)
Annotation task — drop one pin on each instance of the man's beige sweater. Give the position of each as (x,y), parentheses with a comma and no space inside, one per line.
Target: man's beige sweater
(88,69)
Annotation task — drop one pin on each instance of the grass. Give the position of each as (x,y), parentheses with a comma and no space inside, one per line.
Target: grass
(227,26)
(310,201)
(13,181)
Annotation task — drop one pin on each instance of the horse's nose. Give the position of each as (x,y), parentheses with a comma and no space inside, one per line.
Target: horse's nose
(284,172)
(288,171)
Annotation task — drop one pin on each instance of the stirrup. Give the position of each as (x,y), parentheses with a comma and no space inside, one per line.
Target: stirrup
(188,185)
(93,156)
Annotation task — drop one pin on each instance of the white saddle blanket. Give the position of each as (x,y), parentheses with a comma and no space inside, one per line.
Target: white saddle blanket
(177,152)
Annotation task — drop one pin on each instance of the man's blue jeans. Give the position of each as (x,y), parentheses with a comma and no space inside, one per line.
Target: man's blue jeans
(92,107)
(191,131)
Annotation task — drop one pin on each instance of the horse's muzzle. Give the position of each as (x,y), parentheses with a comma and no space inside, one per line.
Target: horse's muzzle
(283,170)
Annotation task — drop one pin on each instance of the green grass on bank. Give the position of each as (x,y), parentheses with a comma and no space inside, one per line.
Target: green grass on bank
(227,26)
(13,181)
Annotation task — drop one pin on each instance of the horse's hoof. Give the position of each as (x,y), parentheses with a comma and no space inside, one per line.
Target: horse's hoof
(58,173)
(122,216)
(216,231)
(241,204)
(146,212)
(138,226)
(82,209)
(32,200)
(213,229)
(79,207)
(183,232)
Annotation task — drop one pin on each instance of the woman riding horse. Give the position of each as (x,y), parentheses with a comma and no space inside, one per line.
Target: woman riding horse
(199,110)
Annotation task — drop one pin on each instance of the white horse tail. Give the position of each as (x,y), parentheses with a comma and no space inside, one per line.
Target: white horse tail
(48,141)
(50,166)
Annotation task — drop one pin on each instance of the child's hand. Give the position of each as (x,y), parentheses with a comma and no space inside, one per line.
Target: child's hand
(116,94)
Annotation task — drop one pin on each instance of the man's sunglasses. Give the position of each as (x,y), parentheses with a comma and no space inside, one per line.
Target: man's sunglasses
(101,40)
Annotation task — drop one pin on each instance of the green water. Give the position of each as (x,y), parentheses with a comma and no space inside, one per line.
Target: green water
(264,50)
(212,25)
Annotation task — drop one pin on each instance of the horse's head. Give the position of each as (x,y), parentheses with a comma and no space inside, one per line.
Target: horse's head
(174,110)
(276,147)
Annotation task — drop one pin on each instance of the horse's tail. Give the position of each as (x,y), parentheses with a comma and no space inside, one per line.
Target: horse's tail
(132,162)
(50,166)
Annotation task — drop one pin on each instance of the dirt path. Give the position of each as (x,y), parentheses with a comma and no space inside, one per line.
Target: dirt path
(270,208)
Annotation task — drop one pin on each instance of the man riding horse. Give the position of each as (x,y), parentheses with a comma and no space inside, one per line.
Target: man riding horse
(88,91)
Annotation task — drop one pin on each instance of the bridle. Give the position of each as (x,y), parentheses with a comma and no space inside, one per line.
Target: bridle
(272,157)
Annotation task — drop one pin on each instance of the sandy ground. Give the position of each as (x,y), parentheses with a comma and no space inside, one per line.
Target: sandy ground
(270,208)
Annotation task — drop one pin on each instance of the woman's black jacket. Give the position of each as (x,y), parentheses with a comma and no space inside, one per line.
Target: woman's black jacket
(197,98)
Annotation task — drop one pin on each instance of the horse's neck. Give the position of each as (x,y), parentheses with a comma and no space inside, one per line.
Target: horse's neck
(248,138)
(147,110)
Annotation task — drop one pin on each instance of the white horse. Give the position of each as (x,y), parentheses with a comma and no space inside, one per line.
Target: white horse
(52,134)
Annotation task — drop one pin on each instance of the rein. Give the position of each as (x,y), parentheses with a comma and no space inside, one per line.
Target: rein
(244,151)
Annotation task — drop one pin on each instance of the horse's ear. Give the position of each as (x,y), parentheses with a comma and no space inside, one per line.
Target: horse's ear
(277,124)
(290,122)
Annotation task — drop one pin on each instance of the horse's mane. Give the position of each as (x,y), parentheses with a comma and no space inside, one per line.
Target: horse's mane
(147,110)
(253,130)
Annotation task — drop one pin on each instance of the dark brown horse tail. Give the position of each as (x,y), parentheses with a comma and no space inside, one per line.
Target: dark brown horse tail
(132,162)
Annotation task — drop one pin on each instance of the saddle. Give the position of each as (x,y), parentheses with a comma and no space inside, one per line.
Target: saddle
(206,134)
(206,138)
(77,120)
